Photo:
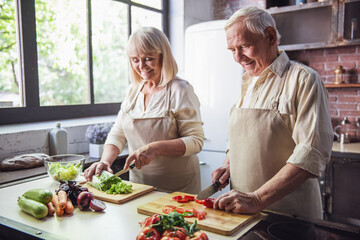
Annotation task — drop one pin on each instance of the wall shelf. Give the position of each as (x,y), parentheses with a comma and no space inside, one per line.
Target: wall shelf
(324,24)
(343,85)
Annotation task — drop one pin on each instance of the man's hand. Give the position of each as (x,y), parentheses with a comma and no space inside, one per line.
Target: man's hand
(222,173)
(238,202)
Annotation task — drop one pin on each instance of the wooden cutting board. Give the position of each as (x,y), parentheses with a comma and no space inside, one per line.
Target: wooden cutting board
(138,190)
(216,221)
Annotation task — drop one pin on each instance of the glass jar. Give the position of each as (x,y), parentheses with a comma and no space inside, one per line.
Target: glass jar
(345,131)
(339,75)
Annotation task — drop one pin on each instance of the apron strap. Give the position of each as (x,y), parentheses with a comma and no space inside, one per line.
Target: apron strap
(168,95)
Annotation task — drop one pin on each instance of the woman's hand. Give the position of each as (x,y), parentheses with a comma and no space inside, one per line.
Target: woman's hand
(96,168)
(143,156)
(238,202)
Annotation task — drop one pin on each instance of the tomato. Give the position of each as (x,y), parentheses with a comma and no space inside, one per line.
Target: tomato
(209,202)
(148,234)
(170,238)
(199,201)
(150,220)
(167,210)
(189,197)
(201,215)
(199,235)
(183,200)
(178,232)
(180,210)
(176,198)
(170,206)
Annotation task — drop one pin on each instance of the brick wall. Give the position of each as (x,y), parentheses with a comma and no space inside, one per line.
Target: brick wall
(344,102)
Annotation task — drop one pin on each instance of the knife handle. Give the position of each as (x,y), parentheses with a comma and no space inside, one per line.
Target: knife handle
(217,182)
(132,165)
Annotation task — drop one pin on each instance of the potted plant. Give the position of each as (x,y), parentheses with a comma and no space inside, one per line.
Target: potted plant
(96,135)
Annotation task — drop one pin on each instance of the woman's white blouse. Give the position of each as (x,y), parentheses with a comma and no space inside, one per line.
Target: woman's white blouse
(184,105)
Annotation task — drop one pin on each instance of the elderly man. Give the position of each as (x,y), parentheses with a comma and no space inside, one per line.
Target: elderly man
(280,134)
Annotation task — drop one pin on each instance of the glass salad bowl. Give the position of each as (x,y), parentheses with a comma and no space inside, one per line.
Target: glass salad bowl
(64,167)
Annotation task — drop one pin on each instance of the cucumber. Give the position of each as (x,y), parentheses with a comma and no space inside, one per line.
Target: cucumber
(39,195)
(32,207)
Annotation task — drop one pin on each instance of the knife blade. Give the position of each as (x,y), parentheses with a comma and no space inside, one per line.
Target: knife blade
(210,190)
(131,166)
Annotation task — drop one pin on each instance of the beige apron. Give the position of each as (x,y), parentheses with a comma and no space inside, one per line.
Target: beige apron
(168,173)
(260,144)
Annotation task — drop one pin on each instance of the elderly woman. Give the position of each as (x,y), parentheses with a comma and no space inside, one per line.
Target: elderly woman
(280,133)
(159,119)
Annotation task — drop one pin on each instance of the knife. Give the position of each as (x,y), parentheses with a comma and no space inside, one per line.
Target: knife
(131,166)
(210,190)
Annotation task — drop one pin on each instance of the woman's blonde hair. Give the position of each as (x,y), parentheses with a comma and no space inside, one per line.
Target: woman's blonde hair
(255,19)
(149,40)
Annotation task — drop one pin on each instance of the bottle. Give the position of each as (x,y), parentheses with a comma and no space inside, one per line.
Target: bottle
(339,75)
(58,140)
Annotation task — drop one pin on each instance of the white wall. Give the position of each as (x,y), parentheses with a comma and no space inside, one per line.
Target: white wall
(182,14)
(34,137)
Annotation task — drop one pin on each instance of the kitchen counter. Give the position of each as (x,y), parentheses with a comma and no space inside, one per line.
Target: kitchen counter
(8,178)
(119,221)
(351,150)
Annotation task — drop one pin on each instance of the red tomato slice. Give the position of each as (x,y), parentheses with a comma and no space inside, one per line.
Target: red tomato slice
(150,220)
(180,210)
(170,206)
(167,210)
(201,215)
(176,198)
(209,202)
(195,212)
(183,200)
(199,201)
(189,197)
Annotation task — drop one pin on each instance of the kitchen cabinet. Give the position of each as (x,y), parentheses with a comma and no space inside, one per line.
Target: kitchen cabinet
(209,161)
(322,24)
(341,192)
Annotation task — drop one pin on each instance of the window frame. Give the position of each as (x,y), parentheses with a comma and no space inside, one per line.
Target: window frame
(32,111)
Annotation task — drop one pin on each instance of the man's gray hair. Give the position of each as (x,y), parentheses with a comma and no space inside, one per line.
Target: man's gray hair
(255,19)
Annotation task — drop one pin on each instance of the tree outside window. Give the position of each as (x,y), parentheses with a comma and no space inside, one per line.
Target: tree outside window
(67,58)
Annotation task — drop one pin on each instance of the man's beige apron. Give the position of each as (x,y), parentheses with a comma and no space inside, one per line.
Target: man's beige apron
(168,173)
(260,144)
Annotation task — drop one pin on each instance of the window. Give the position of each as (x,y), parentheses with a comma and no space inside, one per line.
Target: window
(62,59)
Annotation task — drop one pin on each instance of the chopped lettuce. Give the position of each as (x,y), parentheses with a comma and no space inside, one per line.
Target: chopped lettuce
(64,172)
(110,183)
(120,187)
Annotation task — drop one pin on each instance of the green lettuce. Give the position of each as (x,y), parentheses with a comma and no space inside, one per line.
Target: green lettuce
(64,172)
(110,183)
(120,187)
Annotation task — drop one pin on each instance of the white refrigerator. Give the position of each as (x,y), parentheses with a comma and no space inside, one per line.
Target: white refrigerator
(216,78)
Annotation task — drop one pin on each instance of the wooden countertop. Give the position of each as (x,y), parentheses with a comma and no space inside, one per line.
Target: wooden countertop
(119,221)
